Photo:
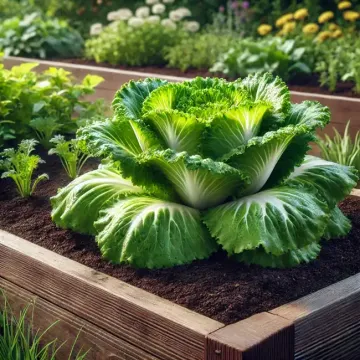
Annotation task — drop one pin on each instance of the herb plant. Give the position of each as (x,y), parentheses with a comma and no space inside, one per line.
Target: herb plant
(72,153)
(35,35)
(206,163)
(19,166)
(43,104)
(341,148)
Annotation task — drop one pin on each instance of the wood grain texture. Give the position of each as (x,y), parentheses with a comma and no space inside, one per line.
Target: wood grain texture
(262,336)
(42,314)
(327,322)
(157,326)
(355,192)
(342,108)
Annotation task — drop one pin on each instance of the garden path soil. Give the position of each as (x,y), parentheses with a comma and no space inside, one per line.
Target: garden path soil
(300,83)
(218,288)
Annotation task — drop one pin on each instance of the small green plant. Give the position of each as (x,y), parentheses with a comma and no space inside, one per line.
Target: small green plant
(19,165)
(72,153)
(19,341)
(329,72)
(45,129)
(341,148)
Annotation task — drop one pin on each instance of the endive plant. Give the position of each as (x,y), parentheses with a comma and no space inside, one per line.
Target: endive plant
(203,164)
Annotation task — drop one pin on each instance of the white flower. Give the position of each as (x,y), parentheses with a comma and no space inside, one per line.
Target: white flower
(135,22)
(96,29)
(151,2)
(168,23)
(124,14)
(142,12)
(112,15)
(175,16)
(168,1)
(121,14)
(153,19)
(158,9)
(184,11)
(192,26)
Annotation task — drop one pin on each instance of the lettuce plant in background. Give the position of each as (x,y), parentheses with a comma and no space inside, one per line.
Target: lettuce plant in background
(191,167)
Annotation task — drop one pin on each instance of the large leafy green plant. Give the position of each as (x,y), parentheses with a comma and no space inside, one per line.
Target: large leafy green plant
(207,163)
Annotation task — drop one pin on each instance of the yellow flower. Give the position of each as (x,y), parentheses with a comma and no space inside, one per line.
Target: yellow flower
(351,15)
(325,17)
(336,34)
(310,28)
(344,5)
(323,36)
(333,27)
(301,14)
(281,21)
(289,27)
(264,29)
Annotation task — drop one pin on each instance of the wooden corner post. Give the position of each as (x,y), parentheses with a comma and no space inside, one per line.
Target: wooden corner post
(263,336)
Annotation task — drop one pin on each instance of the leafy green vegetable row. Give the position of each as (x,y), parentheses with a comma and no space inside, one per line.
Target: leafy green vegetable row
(195,166)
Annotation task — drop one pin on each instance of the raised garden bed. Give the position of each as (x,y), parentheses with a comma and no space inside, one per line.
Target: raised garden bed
(121,321)
(342,108)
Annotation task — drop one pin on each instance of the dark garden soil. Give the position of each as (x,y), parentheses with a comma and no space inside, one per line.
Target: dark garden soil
(218,288)
(301,83)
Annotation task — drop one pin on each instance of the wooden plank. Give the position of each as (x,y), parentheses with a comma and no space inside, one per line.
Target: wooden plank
(355,192)
(100,344)
(155,325)
(327,322)
(82,70)
(262,336)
